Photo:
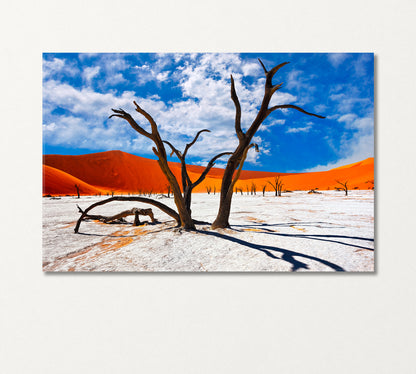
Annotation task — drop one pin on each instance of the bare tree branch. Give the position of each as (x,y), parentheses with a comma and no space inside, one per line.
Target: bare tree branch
(270,74)
(275,88)
(290,106)
(184,173)
(344,186)
(147,116)
(262,65)
(189,145)
(174,150)
(237,105)
(122,114)
(231,188)
(209,167)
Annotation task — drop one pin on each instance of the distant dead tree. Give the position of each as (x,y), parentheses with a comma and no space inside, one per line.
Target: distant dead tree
(371,181)
(208,188)
(237,190)
(168,188)
(264,189)
(344,186)
(277,185)
(314,190)
(236,161)
(77,187)
(253,188)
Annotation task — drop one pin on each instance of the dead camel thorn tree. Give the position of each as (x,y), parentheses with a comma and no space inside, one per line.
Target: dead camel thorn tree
(160,152)
(182,202)
(344,187)
(77,187)
(277,185)
(244,140)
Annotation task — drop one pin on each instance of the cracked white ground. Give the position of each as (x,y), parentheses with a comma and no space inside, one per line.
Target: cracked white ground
(294,232)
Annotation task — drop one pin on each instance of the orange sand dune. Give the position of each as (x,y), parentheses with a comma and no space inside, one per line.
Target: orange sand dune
(122,172)
(114,170)
(359,176)
(57,182)
(367,161)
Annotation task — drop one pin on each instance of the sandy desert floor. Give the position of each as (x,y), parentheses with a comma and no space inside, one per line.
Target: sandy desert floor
(294,232)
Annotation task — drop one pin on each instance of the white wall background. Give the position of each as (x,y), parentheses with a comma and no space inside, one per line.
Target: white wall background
(215,323)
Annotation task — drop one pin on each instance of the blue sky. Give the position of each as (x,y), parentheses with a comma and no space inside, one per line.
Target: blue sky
(188,92)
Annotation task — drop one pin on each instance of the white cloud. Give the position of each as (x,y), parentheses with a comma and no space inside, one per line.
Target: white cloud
(57,66)
(162,76)
(206,103)
(294,130)
(270,123)
(251,68)
(347,118)
(336,59)
(359,148)
(90,72)
(84,101)
(347,103)
(115,79)
(355,148)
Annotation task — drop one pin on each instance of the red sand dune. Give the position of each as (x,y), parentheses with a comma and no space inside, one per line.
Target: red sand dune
(57,182)
(122,172)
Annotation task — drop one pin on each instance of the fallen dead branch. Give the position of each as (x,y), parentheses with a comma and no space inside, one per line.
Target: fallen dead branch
(157,204)
(136,212)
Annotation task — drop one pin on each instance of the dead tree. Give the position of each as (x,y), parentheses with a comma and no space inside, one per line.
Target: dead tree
(164,208)
(187,184)
(136,212)
(244,138)
(160,151)
(253,188)
(77,187)
(344,187)
(264,189)
(277,185)
(371,181)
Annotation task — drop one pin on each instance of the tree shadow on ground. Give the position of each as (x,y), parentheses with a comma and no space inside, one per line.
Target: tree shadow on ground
(295,223)
(326,238)
(286,255)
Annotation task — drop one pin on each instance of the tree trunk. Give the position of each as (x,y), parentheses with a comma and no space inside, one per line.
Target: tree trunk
(224,208)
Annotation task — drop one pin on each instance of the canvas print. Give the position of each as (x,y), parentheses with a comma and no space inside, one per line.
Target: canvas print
(208,162)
